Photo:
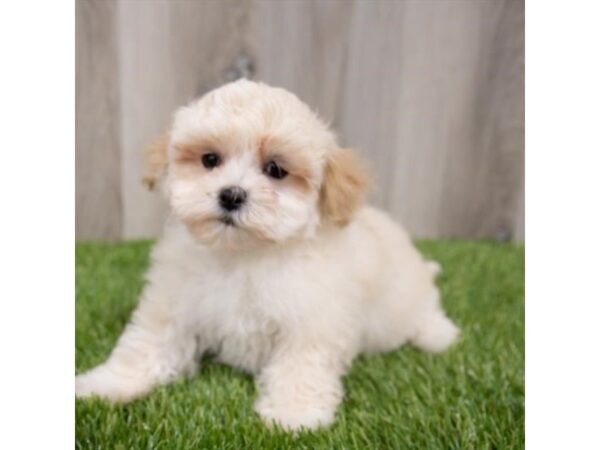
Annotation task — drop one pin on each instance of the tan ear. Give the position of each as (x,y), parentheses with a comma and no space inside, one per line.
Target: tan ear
(156,160)
(344,185)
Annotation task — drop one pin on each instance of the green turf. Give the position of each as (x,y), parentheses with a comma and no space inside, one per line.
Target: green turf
(471,397)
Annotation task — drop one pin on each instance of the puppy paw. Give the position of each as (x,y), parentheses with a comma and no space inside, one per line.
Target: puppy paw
(100,382)
(292,417)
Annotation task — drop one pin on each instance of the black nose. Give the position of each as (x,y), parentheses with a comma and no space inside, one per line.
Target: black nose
(232,198)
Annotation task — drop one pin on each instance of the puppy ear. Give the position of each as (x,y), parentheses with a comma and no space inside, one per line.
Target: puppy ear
(344,185)
(156,160)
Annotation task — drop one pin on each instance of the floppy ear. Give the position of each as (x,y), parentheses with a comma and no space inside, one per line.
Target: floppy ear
(344,186)
(156,160)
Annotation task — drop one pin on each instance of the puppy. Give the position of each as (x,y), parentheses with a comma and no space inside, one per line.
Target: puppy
(269,261)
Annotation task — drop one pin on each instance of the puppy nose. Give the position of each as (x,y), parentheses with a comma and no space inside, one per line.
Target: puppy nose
(232,198)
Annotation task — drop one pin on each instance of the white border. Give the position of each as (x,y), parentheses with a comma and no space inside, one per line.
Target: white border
(563,224)
(37,224)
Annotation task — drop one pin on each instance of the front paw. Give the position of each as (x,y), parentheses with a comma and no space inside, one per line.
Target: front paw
(293,416)
(101,382)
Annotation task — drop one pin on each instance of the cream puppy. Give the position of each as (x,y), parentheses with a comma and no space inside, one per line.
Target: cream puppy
(269,261)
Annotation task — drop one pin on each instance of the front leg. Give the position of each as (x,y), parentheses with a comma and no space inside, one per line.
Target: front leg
(301,388)
(154,349)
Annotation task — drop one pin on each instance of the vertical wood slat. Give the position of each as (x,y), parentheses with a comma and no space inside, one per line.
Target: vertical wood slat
(97,156)
(429,92)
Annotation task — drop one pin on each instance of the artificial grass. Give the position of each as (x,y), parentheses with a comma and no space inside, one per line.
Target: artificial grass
(471,397)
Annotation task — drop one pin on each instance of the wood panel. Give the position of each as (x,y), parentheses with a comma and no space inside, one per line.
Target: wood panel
(484,171)
(97,122)
(429,92)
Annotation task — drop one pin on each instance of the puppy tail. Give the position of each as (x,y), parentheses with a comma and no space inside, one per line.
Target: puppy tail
(436,333)
(434,267)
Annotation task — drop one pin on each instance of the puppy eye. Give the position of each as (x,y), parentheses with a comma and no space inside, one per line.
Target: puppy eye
(210,160)
(275,171)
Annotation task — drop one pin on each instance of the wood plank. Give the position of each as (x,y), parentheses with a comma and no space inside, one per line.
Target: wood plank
(485,179)
(97,123)
(426,109)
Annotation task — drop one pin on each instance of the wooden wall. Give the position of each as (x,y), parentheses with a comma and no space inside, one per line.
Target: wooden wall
(430,92)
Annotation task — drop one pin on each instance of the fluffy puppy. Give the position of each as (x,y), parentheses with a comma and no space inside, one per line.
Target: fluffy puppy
(269,261)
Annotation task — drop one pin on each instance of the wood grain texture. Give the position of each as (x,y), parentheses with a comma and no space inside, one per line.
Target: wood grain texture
(429,92)
(97,122)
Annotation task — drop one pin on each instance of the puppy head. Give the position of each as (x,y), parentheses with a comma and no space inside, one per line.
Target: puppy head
(249,164)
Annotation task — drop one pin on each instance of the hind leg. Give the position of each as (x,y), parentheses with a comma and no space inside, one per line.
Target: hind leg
(393,322)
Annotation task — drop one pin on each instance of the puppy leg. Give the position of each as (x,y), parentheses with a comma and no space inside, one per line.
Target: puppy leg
(300,389)
(153,350)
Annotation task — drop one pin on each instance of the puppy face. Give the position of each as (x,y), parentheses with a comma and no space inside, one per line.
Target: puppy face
(249,164)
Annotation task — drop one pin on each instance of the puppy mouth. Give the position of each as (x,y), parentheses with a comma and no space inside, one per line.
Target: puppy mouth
(227,220)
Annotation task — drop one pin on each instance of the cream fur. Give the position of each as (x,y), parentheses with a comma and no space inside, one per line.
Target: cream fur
(286,294)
